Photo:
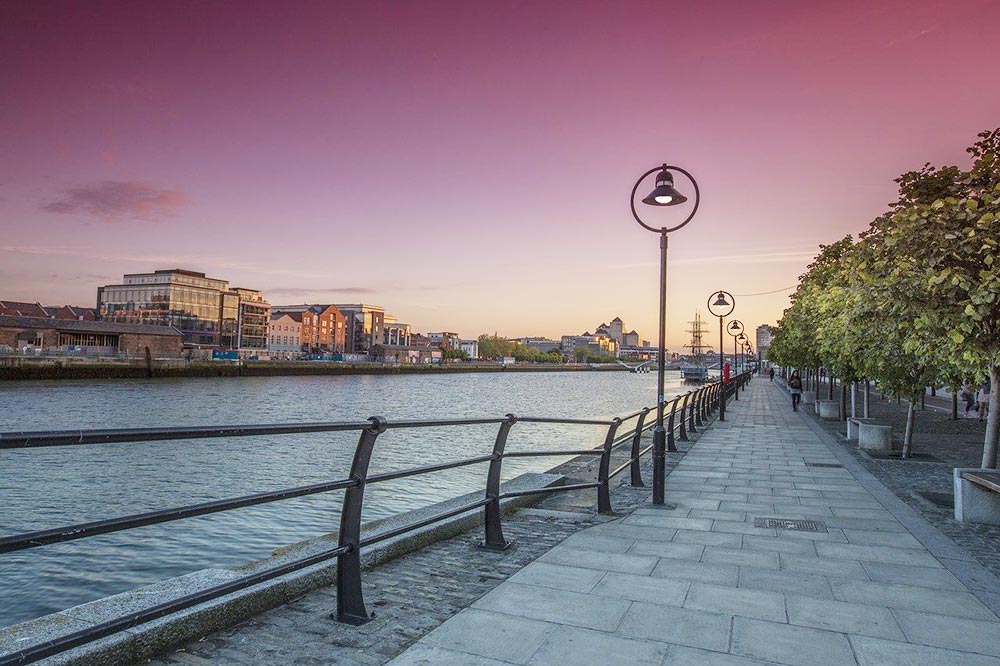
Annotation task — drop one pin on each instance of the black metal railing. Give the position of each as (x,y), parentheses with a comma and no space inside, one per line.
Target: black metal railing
(692,407)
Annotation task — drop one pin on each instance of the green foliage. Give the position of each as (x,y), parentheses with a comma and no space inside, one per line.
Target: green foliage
(917,298)
(494,347)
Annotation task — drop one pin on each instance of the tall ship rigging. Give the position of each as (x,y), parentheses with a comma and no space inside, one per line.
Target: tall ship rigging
(694,369)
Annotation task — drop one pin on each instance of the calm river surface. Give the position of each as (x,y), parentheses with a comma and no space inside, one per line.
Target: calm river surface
(51,487)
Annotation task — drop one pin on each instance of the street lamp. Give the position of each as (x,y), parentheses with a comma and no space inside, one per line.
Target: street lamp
(742,339)
(735,329)
(721,308)
(663,194)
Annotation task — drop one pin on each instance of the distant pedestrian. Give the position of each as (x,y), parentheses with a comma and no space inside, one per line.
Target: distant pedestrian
(770,373)
(795,388)
(983,398)
(969,396)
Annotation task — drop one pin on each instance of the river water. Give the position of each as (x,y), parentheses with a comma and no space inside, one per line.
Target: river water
(51,487)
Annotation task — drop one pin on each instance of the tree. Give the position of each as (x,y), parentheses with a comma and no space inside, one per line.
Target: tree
(945,234)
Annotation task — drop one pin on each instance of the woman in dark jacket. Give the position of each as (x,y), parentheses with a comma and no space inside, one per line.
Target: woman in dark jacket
(795,388)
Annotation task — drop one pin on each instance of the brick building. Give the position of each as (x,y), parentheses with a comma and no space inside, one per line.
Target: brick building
(88,337)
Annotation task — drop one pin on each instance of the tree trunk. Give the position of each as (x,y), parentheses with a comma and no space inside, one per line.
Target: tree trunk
(908,435)
(829,380)
(843,401)
(954,403)
(992,420)
(868,394)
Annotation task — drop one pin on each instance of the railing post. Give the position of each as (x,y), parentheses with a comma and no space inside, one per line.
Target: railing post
(494,530)
(671,445)
(636,473)
(699,394)
(690,417)
(603,492)
(684,435)
(350,597)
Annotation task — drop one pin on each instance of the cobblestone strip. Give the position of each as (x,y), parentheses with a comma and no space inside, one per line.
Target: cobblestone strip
(414,594)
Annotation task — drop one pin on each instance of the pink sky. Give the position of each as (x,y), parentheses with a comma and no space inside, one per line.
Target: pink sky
(467,165)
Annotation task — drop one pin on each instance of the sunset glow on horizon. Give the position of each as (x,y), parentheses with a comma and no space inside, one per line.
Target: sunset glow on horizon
(467,166)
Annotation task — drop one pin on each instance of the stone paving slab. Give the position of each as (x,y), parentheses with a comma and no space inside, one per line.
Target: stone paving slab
(698,583)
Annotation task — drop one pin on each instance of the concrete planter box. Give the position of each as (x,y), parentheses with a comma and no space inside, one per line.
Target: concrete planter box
(853,424)
(973,503)
(808,397)
(828,410)
(873,437)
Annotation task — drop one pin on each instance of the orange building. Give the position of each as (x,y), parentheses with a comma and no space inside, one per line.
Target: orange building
(322,326)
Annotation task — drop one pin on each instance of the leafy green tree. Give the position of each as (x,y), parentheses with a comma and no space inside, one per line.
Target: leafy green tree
(944,233)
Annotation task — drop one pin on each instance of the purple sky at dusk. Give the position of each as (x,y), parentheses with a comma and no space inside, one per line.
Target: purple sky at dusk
(467,165)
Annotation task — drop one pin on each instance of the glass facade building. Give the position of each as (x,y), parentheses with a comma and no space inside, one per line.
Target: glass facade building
(204,309)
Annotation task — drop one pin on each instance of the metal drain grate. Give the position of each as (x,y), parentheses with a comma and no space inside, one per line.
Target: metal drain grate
(788,524)
(808,464)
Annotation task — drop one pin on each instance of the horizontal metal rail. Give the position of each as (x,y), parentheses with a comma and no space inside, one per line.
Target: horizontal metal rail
(21,440)
(94,528)
(537,454)
(402,474)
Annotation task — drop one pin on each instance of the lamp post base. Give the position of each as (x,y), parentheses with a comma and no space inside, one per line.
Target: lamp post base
(659,464)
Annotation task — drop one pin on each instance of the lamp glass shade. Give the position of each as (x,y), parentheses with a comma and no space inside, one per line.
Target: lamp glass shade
(664,194)
(734,326)
(721,301)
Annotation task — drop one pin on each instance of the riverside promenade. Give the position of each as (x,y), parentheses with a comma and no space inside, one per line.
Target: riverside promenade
(699,581)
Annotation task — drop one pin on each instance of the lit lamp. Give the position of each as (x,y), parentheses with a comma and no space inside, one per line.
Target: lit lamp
(664,194)
(722,306)
(735,329)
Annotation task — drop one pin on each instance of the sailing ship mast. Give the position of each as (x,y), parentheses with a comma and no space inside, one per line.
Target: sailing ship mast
(698,330)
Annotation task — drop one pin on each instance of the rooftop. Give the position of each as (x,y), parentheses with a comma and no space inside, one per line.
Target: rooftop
(86,326)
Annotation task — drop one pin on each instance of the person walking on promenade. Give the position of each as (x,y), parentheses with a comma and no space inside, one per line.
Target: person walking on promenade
(969,396)
(795,388)
(770,373)
(983,398)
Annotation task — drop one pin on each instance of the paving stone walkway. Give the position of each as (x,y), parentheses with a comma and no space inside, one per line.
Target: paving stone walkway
(700,582)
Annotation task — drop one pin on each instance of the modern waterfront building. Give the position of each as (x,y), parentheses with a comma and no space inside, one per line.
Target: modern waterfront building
(596,343)
(363,326)
(205,310)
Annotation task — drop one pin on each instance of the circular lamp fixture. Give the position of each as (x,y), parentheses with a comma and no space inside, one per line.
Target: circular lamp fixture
(664,194)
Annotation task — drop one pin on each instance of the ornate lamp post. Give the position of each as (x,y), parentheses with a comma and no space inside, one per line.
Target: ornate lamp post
(663,194)
(735,329)
(721,308)
(742,339)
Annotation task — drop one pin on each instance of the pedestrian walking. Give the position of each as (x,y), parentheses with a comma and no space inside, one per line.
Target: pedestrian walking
(795,388)
(969,396)
(983,398)
(770,373)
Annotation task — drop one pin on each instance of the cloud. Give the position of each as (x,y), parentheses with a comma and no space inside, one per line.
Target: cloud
(308,291)
(114,200)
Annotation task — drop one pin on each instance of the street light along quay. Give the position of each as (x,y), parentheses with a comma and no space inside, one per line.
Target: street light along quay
(735,329)
(722,308)
(663,194)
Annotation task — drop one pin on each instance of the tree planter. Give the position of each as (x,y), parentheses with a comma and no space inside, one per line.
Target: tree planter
(873,437)
(828,410)
(808,397)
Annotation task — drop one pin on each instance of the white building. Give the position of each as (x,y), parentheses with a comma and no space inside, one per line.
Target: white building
(470,347)
(284,338)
